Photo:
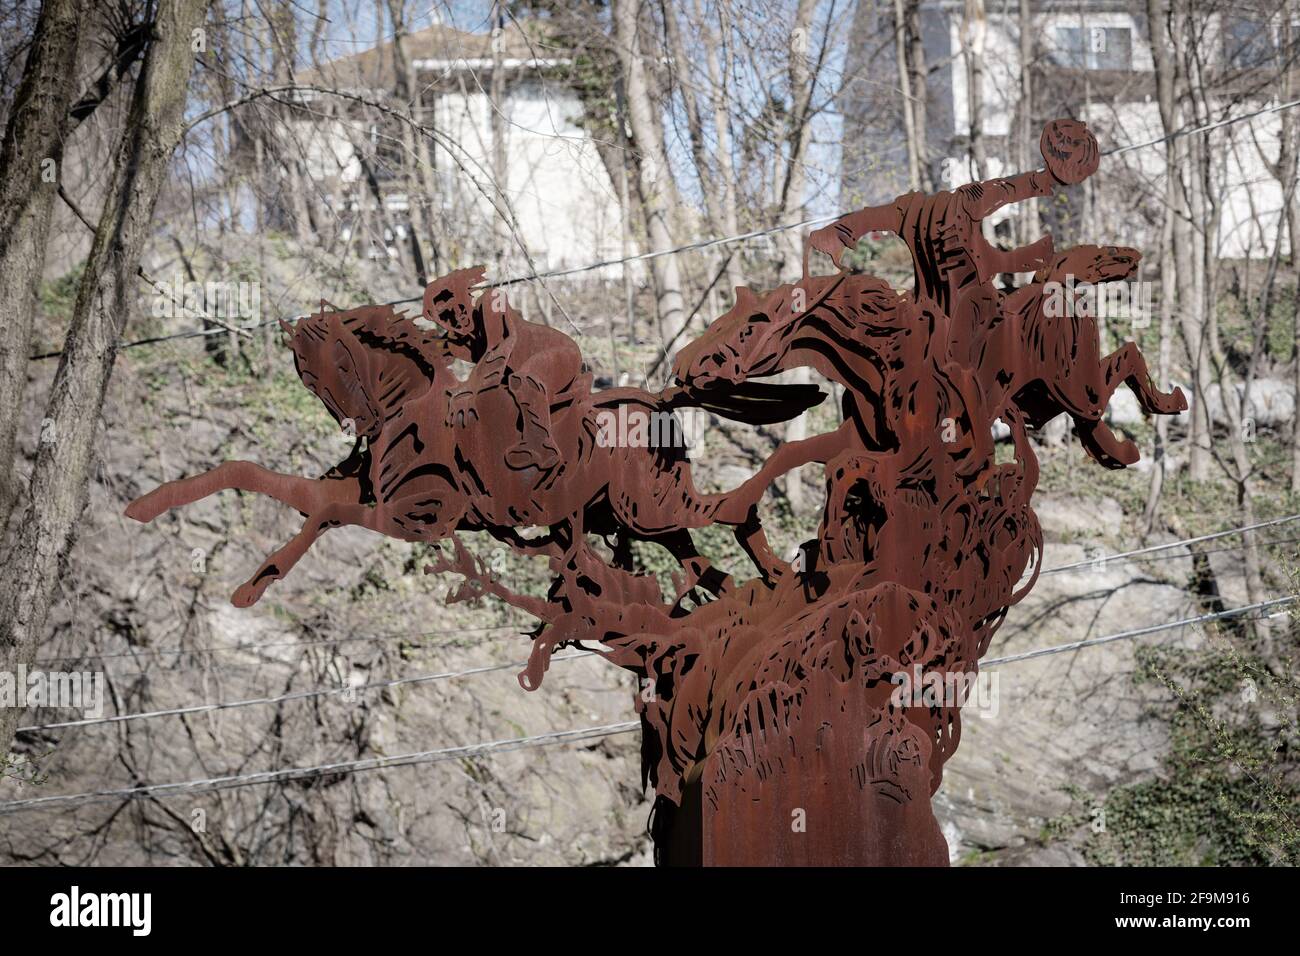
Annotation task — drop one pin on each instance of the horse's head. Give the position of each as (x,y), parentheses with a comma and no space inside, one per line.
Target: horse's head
(1092,264)
(333,364)
(737,346)
(364,364)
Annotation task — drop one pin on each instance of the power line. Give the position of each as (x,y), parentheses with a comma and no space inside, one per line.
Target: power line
(1270,543)
(259,646)
(1139,632)
(524,625)
(1208,127)
(283,698)
(302,773)
(416,635)
(501,746)
(1125,555)
(688,247)
(272,776)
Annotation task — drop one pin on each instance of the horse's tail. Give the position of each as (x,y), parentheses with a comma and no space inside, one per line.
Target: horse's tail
(756,403)
(363,364)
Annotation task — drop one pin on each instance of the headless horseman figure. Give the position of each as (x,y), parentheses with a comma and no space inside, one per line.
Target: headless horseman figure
(538,366)
(951,257)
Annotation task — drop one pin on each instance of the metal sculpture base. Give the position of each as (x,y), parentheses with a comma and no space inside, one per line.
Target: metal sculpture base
(812,794)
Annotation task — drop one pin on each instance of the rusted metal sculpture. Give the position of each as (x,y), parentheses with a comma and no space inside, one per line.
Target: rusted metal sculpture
(772,733)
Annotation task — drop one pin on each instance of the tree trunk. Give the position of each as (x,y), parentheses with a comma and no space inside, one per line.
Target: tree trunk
(654,171)
(1028,221)
(153,127)
(803,81)
(30,166)
(974,31)
(905,88)
(1188,241)
(920,91)
(416,221)
(1293,230)
(283,45)
(1166,98)
(726,167)
(500,170)
(1290,155)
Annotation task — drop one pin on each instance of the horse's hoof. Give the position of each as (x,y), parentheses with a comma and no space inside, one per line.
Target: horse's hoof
(1115,456)
(246,595)
(1128,453)
(1105,447)
(139,510)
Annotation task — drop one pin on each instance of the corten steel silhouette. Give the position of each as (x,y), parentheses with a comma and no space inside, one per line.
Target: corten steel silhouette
(772,730)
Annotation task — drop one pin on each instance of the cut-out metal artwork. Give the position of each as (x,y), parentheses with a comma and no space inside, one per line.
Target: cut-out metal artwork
(773,728)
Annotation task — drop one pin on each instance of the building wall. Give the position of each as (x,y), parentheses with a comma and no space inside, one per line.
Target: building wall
(1114,96)
(567,209)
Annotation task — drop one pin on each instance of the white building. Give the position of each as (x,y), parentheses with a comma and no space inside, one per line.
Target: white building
(1093,62)
(563,204)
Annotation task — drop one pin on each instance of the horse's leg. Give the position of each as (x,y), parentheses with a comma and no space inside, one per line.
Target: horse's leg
(735,507)
(753,541)
(1087,393)
(282,561)
(1086,399)
(739,507)
(1127,364)
(302,494)
(1103,445)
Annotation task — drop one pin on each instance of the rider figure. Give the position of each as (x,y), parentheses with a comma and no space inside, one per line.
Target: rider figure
(538,366)
(949,252)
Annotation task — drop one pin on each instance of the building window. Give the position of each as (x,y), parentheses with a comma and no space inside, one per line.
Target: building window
(1247,43)
(1094,48)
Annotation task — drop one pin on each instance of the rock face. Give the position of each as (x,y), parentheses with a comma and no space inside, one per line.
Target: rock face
(1066,720)
(359,612)
(1271,405)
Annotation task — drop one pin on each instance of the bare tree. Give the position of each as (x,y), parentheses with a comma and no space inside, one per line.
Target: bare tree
(919,91)
(974,31)
(407,97)
(654,174)
(1175,223)
(803,72)
(30,161)
(1027,220)
(152,130)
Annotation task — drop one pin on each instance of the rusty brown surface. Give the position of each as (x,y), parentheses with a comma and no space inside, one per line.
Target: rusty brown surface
(770,729)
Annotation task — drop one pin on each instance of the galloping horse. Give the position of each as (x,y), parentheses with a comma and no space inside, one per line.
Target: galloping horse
(413,476)
(888,351)
(1050,364)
